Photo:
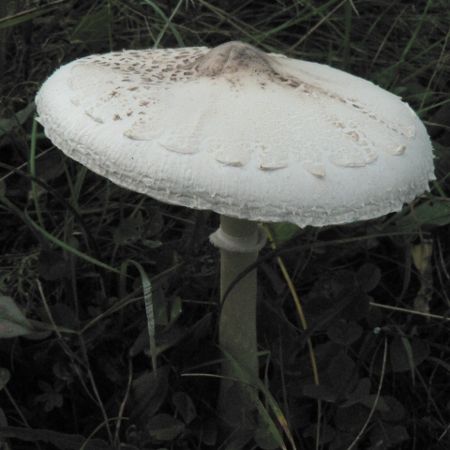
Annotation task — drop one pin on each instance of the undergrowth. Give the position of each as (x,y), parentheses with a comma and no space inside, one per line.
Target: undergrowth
(80,257)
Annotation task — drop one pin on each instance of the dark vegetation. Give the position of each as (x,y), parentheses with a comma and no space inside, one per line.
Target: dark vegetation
(78,255)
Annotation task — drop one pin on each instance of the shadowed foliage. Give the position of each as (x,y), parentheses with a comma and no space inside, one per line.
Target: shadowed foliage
(109,300)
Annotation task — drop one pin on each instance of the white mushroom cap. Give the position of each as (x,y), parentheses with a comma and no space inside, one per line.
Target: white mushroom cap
(241,132)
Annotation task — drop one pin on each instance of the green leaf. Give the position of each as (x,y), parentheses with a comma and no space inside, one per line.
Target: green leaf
(49,166)
(319,392)
(148,392)
(249,382)
(351,418)
(209,432)
(385,436)
(341,371)
(149,306)
(374,401)
(66,246)
(283,231)
(165,427)
(52,265)
(184,406)
(406,354)
(265,440)
(19,118)
(12,322)
(327,433)
(62,441)
(51,398)
(27,15)
(167,24)
(369,276)
(435,211)
(239,439)
(395,410)
(94,26)
(344,333)
(4,377)
(361,391)
(176,308)
(129,230)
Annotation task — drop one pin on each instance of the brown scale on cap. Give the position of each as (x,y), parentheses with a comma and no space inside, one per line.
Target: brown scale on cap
(283,121)
(234,57)
(235,62)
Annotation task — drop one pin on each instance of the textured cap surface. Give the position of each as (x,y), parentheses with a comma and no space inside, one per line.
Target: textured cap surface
(241,132)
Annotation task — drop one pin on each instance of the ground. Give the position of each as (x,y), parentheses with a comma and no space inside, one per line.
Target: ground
(80,257)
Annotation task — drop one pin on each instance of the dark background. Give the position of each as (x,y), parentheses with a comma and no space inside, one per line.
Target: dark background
(376,294)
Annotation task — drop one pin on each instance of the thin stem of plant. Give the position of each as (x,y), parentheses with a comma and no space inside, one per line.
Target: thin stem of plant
(304,324)
(377,397)
(298,306)
(105,423)
(124,402)
(409,311)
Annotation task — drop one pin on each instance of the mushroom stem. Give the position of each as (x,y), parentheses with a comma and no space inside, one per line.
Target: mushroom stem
(239,241)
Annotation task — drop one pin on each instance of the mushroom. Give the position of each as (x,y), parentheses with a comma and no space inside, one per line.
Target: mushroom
(253,136)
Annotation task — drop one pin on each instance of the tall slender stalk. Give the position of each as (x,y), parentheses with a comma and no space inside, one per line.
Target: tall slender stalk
(237,323)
